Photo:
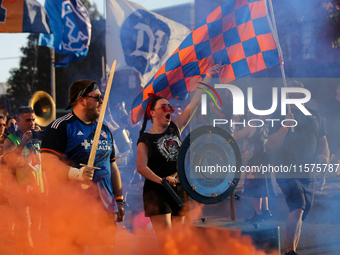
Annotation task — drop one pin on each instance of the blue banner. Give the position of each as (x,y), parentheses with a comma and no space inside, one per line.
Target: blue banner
(71,27)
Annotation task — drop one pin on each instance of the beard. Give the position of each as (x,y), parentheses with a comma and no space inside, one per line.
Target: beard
(91,113)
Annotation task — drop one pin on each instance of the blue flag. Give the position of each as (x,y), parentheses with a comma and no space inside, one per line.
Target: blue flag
(71,27)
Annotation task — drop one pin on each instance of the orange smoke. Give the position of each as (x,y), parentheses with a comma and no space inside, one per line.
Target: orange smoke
(189,240)
(87,224)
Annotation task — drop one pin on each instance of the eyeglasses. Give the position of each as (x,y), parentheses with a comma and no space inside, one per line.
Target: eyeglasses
(99,97)
(166,107)
(26,107)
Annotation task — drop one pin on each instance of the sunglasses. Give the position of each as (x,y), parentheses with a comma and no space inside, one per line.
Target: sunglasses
(3,124)
(99,97)
(166,108)
(26,107)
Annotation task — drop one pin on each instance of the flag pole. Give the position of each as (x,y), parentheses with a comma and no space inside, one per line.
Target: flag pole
(272,24)
(53,92)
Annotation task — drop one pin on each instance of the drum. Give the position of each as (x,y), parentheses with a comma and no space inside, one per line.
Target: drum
(122,140)
(209,164)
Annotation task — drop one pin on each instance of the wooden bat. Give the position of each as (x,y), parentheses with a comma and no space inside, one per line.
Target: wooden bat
(100,122)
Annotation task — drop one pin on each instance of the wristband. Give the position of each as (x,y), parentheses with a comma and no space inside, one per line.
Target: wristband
(119,198)
(120,201)
(208,75)
(76,173)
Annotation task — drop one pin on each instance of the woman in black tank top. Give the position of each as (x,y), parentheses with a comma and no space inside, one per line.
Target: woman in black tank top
(157,152)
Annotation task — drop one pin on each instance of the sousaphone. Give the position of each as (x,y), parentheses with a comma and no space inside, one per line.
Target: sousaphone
(44,107)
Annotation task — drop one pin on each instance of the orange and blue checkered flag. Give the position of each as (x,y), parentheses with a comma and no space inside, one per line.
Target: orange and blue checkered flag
(237,34)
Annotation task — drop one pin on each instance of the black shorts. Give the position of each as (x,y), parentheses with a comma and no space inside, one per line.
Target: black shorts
(299,193)
(158,201)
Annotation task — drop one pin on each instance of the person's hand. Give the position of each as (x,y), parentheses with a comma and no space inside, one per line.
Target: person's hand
(172,180)
(322,159)
(237,118)
(120,213)
(88,173)
(26,138)
(289,116)
(214,69)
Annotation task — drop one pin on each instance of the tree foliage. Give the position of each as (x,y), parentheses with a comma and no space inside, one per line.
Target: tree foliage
(333,9)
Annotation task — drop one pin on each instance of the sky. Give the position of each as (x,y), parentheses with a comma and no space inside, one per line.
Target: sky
(10,43)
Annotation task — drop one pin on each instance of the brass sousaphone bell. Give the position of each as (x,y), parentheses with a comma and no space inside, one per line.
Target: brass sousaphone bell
(44,107)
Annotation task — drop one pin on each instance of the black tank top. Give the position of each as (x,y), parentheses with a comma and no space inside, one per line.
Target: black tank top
(164,150)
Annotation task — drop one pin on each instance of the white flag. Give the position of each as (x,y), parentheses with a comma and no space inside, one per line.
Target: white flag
(140,39)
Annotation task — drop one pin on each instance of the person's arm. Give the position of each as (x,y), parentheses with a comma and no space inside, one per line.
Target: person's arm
(12,154)
(323,150)
(145,171)
(276,139)
(240,133)
(183,119)
(53,165)
(142,164)
(117,189)
(217,110)
(53,145)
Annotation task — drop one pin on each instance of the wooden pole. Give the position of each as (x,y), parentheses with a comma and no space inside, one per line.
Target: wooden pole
(53,91)
(232,206)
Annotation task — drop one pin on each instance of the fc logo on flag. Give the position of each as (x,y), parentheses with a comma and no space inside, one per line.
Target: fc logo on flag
(144,39)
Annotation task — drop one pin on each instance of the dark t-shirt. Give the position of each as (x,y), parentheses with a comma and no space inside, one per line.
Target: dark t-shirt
(299,147)
(164,149)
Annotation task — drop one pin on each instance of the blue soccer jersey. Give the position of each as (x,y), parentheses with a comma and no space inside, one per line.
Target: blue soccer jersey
(71,140)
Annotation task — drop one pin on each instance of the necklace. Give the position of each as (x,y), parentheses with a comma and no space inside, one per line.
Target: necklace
(154,132)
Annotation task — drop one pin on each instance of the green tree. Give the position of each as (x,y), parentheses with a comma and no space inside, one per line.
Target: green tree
(24,80)
(333,9)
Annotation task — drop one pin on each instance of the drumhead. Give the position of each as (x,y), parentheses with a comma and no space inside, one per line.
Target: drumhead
(209,164)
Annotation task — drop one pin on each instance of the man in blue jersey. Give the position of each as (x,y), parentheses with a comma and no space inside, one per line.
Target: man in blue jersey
(82,216)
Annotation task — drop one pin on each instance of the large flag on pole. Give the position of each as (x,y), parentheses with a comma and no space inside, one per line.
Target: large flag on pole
(139,39)
(238,33)
(23,16)
(71,27)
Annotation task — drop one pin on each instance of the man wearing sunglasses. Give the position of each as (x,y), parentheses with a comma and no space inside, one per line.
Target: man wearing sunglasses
(25,185)
(86,214)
